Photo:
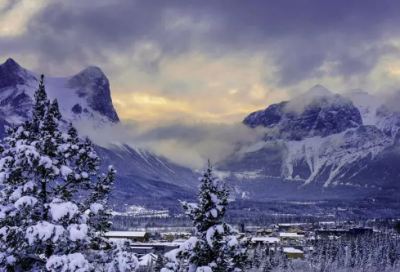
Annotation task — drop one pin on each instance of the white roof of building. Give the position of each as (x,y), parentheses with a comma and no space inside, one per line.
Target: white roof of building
(141,247)
(289,234)
(175,233)
(179,241)
(125,234)
(156,244)
(136,247)
(119,240)
(269,240)
(292,250)
(291,224)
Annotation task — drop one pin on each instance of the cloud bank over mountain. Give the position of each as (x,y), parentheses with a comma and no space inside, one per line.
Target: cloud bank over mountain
(187,144)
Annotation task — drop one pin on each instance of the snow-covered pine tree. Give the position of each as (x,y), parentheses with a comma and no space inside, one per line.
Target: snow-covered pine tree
(25,176)
(275,256)
(217,245)
(160,263)
(150,266)
(122,260)
(258,256)
(42,171)
(267,265)
(100,214)
(98,201)
(114,257)
(282,259)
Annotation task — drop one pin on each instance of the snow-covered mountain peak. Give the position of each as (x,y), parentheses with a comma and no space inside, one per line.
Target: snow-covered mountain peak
(92,85)
(85,95)
(330,139)
(11,64)
(307,117)
(90,76)
(11,68)
(92,72)
(12,74)
(318,90)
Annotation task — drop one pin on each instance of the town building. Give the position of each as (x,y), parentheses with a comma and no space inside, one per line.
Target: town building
(265,240)
(128,235)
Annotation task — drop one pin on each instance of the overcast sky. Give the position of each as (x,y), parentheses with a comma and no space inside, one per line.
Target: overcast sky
(208,60)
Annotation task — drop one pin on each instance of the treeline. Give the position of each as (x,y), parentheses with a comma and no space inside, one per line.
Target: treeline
(367,253)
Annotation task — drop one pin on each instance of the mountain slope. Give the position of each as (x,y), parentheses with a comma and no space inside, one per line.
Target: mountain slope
(142,177)
(146,179)
(329,144)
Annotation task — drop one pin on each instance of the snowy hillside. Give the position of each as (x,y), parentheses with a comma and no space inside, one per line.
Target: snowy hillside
(322,142)
(334,154)
(367,105)
(377,111)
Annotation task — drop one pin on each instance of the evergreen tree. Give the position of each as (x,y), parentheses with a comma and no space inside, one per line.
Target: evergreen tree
(267,266)
(150,266)
(216,245)
(43,171)
(258,255)
(122,260)
(367,253)
(100,214)
(282,259)
(160,263)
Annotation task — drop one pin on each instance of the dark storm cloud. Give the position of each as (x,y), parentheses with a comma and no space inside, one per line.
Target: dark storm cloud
(299,35)
(302,35)
(71,29)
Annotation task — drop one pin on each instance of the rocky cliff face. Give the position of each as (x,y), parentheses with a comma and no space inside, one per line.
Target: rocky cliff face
(92,85)
(14,102)
(308,116)
(86,95)
(326,141)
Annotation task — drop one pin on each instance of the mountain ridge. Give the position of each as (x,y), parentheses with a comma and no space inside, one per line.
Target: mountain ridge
(86,96)
(325,146)
(346,156)
(318,115)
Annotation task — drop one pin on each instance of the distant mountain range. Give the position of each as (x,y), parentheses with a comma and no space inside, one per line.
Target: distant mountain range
(319,145)
(323,145)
